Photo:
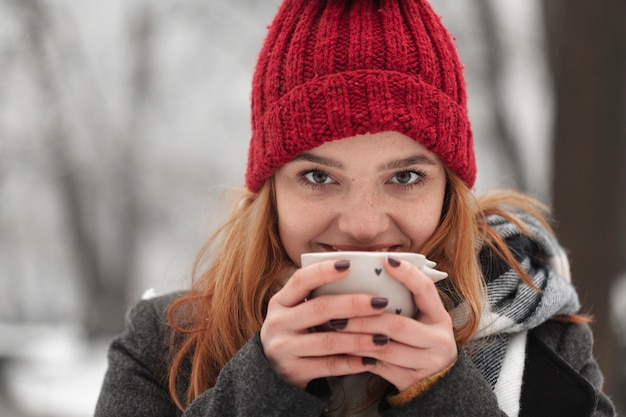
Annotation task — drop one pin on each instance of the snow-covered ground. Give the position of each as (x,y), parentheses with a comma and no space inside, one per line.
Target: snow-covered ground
(53,372)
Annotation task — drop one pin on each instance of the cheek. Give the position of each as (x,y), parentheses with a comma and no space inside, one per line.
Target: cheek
(288,227)
(422,223)
(297,225)
(419,230)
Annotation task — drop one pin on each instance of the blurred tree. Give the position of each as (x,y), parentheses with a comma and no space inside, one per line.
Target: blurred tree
(587,50)
(504,135)
(100,194)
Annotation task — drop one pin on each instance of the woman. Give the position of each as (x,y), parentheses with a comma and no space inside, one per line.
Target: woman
(361,141)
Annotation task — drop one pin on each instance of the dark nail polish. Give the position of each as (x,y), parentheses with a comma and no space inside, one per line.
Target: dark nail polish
(380,339)
(338,324)
(379,302)
(341,266)
(395,262)
(366,360)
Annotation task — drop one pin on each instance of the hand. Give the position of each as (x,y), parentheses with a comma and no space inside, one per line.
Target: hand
(418,347)
(300,355)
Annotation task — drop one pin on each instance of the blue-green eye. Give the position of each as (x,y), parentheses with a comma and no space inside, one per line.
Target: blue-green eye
(318,177)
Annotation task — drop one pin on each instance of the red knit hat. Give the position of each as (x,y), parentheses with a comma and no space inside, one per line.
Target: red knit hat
(331,69)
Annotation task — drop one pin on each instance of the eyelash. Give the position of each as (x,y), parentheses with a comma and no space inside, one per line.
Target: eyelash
(422,176)
(312,185)
(418,182)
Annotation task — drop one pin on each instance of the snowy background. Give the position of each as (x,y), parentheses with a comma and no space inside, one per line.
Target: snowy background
(116,107)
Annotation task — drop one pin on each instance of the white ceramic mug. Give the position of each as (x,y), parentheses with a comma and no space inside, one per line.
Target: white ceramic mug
(368,276)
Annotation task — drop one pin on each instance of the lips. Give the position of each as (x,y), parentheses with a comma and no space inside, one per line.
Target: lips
(376,248)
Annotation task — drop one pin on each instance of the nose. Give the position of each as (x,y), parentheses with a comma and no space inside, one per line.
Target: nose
(363,216)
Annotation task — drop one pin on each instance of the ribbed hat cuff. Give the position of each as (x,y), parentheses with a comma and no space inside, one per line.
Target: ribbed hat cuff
(351,103)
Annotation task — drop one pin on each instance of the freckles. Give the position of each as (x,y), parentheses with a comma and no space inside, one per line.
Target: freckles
(297,220)
(419,225)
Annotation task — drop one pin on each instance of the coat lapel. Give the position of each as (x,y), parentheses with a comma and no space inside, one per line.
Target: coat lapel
(551,387)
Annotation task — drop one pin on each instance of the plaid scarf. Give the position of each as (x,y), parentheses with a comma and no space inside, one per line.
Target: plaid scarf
(498,349)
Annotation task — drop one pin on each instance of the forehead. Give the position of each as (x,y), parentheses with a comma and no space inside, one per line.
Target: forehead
(376,148)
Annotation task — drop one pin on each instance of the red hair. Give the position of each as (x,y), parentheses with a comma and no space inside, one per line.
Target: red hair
(244,264)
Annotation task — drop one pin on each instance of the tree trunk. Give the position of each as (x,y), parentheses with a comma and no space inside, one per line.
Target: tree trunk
(104,280)
(587,47)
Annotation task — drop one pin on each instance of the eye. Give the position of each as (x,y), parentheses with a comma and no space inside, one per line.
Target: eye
(316,178)
(406,177)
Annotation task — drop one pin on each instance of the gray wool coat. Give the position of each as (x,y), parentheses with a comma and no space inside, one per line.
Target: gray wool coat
(561,379)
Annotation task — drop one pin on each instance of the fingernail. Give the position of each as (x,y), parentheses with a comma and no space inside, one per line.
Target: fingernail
(395,262)
(379,302)
(338,323)
(380,339)
(341,266)
(366,360)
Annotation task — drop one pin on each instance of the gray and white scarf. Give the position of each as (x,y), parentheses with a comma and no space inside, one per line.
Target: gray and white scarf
(498,348)
(512,308)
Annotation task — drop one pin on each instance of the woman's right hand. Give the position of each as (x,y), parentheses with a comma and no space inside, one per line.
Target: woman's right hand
(299,354)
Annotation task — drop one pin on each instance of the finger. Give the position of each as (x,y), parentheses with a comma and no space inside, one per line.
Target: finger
(306,279)
(323,309)
(404,330)
(404,365)
(399,377)
(399,328)
(308,369)
(334,343)
(409,357)
(429,305)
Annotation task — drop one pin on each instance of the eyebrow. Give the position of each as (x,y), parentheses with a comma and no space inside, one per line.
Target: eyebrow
(405,162)
(395,164)
(322,160)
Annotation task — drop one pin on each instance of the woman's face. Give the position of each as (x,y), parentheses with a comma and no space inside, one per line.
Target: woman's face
(375,192)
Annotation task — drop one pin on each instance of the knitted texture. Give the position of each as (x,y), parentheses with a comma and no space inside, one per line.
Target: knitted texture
(331,69)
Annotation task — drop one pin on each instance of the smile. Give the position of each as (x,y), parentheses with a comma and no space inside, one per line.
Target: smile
(386,248)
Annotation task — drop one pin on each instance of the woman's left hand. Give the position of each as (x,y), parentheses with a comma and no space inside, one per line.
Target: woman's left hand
(417,347)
